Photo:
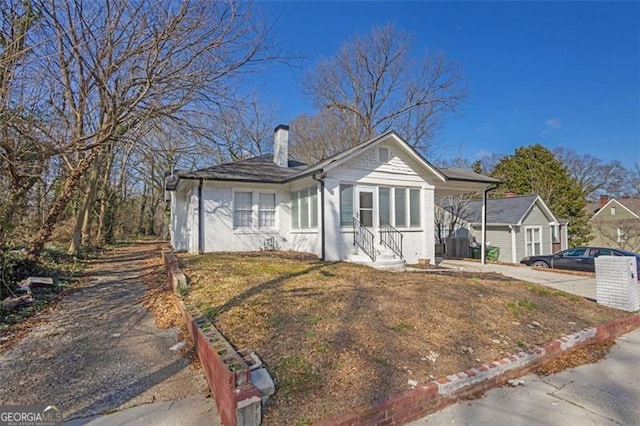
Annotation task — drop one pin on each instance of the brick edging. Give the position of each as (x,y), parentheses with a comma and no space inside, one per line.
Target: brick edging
(435,395)
(227,374)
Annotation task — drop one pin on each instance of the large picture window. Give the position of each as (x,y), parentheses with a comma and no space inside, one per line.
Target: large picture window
(304,208)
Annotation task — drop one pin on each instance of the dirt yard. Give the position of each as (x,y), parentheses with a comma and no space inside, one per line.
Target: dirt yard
(339,335)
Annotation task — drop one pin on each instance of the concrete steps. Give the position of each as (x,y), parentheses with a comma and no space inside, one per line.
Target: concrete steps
(385,259)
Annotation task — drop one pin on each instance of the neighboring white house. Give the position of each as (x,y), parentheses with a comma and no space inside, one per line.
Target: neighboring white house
(518,225)
(379,190)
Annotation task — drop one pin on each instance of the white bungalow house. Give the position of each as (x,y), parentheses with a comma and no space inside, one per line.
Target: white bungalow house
(371,203)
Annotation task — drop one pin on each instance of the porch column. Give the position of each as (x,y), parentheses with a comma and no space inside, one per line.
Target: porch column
(484,228)
(334,249)
(428,216)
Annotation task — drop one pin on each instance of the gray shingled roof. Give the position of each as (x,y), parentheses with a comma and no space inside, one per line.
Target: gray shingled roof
(263,169)
(508,210)
(467,176)
(256,169)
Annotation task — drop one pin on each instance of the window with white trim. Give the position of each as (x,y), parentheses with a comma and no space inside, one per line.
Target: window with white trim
(400,201)
(384,204)
(613,211)
(414,208)
(555,238)
(622,235)
(304,208)
(242,210)
(533,240)
(266,210)
(383,154)
(346,205)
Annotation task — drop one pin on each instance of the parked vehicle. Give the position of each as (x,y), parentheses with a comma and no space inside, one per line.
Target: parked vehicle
(577,259)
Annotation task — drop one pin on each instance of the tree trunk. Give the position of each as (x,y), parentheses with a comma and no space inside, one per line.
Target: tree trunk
(59,205)
(82,225)
(104,198)
(93,188)
(143,208)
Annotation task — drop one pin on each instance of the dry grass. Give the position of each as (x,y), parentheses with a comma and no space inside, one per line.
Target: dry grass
(339,335)
(163,305)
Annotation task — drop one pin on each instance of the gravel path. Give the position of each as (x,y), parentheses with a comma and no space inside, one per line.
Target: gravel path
(100,351)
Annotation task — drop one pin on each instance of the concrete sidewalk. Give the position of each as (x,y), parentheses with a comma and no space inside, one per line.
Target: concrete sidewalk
(584,286)
(195,410)
(605,393)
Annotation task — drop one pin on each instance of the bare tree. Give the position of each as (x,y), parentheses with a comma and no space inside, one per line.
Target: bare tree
(244,131)
(22,157)
(316,137)
(594,175)
(451,213)
(109,68)
(623,233)
(375,84)
(634,181)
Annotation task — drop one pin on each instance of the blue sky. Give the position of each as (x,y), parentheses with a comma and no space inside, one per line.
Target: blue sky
(559,73)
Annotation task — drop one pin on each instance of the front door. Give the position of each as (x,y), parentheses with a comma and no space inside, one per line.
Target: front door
(366,211)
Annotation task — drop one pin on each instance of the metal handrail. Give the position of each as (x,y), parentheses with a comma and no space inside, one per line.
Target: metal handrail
(364,239)
(391,238)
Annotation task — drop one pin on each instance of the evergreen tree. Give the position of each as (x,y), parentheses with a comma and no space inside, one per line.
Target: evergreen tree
(535,170)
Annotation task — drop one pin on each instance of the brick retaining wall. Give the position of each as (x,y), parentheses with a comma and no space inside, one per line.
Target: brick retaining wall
(228,375)
(433,396)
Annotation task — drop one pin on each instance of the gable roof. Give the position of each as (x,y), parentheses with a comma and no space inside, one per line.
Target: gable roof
(262,169)
(631,204)
(506,210)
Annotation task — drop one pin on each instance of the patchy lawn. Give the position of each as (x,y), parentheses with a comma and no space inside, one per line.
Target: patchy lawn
(339,335)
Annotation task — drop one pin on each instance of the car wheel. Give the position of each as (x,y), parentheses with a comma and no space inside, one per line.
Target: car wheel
(540,264)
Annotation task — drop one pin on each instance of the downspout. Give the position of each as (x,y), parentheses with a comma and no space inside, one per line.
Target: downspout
(322,235)
(200,219)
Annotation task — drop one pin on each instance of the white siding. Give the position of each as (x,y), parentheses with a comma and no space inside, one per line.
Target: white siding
(366,169)
(218,221)
(535,217)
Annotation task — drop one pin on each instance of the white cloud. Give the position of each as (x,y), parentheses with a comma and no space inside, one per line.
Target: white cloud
(553,123)
(482,154)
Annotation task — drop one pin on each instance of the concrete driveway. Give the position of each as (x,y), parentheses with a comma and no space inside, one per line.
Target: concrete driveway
(605,393)
(579,285)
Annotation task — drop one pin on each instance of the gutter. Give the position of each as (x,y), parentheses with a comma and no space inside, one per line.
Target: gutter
(322,235)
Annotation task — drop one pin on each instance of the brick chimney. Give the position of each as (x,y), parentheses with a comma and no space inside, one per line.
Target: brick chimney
(281,145)
(510,194)
(604,199)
